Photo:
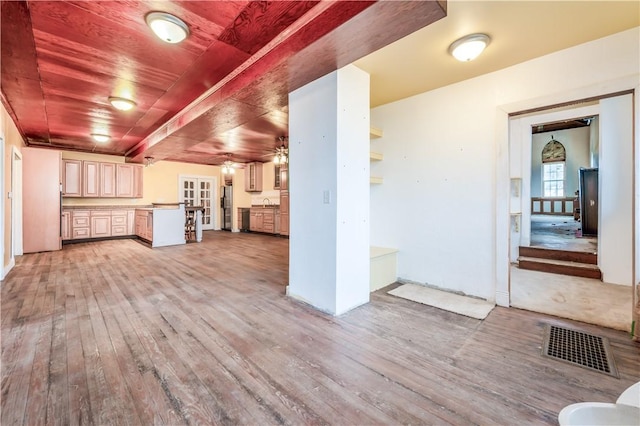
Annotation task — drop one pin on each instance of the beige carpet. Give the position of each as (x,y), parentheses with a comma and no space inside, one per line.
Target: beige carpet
(463,305)
(581,299)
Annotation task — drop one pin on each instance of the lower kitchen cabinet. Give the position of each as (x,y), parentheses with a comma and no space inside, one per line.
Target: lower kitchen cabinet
(80,224)
(65,225)
(263,219)
(100,223)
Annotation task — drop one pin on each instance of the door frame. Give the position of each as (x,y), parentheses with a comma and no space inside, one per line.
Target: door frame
(2,212)
(215,219)
(16,202)
(504,183)
(520,145)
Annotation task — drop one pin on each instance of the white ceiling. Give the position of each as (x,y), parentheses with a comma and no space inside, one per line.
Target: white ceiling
(520,31)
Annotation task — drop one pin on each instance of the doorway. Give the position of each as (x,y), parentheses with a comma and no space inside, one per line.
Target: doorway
(199,191)
(606,302)
(564,185)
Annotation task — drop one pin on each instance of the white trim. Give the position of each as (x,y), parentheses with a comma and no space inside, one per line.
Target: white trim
(16,202)
(8,267)
(2,218)
(215,216)
(502,174)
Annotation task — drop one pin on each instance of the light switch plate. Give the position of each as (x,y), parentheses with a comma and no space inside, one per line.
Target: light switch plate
(326,197)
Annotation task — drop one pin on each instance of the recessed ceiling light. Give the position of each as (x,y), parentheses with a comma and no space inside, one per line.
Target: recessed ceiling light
(469,47)
(98,137)
(121,103)
(168,28)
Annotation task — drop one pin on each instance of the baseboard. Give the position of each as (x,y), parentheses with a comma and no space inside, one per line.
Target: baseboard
(8,267)
(235,230)
(502,299)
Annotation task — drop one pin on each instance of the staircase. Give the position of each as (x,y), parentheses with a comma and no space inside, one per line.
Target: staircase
(574,263)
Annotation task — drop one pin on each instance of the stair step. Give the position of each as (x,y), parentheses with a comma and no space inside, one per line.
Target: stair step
(564,267)
(566,255)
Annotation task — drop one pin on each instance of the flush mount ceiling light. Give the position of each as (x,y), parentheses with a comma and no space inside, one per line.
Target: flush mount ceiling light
(121,103)
(469,47)
(99,137)
(168,28)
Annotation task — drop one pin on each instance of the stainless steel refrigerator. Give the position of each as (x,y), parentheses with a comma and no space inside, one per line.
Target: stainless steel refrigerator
(226,204)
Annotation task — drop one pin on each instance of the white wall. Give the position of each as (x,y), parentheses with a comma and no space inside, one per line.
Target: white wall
(615,181)
(443,150)
(329,170)
(576,143)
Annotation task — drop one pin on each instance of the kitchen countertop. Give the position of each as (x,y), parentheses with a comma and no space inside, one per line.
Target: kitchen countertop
(106,207)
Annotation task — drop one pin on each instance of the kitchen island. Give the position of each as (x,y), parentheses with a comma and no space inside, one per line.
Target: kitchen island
(161,225)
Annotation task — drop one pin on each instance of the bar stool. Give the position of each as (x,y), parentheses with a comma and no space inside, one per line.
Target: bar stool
(189,225)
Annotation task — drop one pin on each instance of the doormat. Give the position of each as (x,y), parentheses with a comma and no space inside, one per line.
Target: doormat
(578,348)
(463,305)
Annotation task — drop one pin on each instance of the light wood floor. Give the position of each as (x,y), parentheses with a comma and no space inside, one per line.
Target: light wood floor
(116,333)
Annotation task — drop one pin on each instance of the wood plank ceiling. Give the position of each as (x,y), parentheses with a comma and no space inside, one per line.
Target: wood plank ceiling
(222,90)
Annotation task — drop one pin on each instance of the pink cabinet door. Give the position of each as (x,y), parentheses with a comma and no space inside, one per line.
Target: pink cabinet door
(101,226)
(107,180)
(124,180)
(91,177)
(72,178)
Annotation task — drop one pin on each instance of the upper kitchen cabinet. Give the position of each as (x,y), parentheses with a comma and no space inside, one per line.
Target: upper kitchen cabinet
(91,173)
(96,179)
(72,178)
(128,181)
(253,177)
(107,180)
(124,179)
(137,181)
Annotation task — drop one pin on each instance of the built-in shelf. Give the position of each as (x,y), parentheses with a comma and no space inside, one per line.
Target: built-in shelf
(374,133)
(375,156)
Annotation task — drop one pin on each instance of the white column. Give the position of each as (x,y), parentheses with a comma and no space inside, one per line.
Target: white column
(329,191)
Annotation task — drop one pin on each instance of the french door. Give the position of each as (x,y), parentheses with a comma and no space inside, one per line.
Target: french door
(199,191)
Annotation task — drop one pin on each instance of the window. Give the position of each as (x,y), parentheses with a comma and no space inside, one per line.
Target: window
(553,179)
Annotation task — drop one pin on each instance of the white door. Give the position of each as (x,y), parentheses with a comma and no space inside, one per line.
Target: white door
(199,191)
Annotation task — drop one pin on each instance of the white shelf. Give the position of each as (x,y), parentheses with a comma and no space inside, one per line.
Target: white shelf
(375,156)
(374,133)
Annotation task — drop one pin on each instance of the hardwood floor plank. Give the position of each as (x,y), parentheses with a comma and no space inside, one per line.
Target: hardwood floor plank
(114,332)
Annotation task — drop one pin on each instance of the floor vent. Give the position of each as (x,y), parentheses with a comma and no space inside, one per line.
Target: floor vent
(578,348)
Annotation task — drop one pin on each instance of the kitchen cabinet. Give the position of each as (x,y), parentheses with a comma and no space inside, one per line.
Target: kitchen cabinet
(80,226)
(85,223)
(124,180)
(255,220)
(253,177)
(90,179)
(118,223)
(284,177)
(284,212)
(72,178)
(100,224)
(144,224)
(95,179)
(267,220)
(107,180)
(65,225)
(137,181)
(263,219)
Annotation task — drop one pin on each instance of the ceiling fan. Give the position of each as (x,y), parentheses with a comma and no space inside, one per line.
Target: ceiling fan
(281,154)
